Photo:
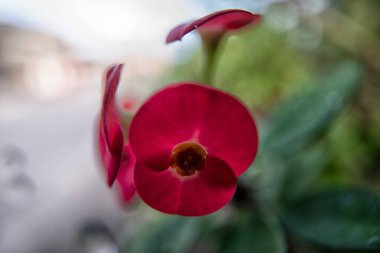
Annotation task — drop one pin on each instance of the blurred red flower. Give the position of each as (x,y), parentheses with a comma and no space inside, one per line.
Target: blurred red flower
(115,153)
(191,143)
(215,24)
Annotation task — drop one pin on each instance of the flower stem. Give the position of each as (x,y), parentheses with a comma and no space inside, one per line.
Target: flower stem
(210,48)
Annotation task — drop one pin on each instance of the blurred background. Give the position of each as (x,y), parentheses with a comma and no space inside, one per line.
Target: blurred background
(309,72)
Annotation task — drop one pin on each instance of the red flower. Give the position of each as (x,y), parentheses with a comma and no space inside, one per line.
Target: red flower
(216,23)
(191,143)
(115,153)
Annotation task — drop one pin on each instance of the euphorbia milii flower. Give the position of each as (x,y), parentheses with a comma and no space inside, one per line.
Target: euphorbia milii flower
(215,24)
(191,143)
(116,156)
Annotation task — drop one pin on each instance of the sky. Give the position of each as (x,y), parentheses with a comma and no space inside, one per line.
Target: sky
(102,29)
(110,29)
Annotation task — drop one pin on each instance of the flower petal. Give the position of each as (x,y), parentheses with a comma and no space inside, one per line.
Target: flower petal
(201,194)
(125,177)
(111,137)
(221,21)
(109,161)
(229,131)
(192,112)
(166,119)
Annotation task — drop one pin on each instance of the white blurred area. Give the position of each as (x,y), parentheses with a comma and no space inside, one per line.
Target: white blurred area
(53,194)
(57,48)
(102,30)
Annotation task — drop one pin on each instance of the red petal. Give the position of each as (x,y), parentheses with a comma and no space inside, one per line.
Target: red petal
(125,176)
(229,131)
(221,21)
(191,112)
(178,32)
(166,119)
(111,137)
(201,194)
(110,162)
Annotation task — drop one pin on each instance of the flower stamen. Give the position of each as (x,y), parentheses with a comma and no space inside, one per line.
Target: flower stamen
(187,158)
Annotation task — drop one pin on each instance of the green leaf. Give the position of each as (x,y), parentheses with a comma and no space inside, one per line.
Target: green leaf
(174,234)
(286,180)
(304,117)
(250,233)
(336,220)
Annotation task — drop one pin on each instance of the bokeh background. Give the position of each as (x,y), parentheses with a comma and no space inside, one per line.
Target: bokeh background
(309,72)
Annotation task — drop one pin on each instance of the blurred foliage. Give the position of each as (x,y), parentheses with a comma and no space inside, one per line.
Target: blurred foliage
(337,220)
(305,116)
(297,124)
(314,90)
(250,232)
(237,231)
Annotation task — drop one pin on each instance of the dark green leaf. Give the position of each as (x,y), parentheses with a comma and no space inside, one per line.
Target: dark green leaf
(250,233)
(167,235)
(338,220)
(301,171)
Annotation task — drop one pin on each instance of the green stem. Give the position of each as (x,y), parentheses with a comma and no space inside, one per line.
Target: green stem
(210,48)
